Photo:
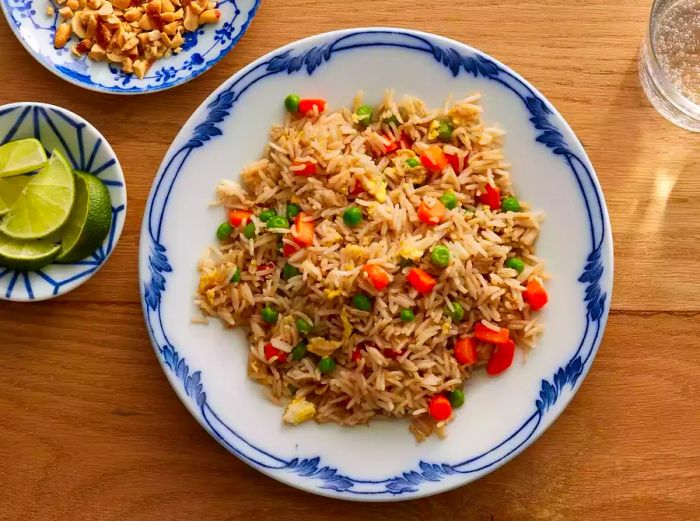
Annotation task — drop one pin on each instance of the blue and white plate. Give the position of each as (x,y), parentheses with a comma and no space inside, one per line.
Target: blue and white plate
(202,49)
(206,365)
(87,150)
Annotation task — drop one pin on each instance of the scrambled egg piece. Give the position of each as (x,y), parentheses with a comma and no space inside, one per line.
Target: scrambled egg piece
(298,411)
(411,253)
(295,199)
(445,327)
(322,347)
(433,130)
(332,293)
(379,191)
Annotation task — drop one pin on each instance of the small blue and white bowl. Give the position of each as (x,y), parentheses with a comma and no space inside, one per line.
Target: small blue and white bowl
(35,29)
(86,150)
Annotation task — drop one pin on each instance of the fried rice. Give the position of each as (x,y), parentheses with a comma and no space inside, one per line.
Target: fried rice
(354,363)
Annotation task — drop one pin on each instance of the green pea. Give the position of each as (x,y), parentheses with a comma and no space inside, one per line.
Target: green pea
(515,263)
(249,231)
(440,256)
(236,277)
(457,313)
(412,162)
(364,115)
(291,102)
(290,271)
(510,204)
(326,365)
(292,211)
(445,129)
(269,314)
(392,119)
(304,326)
(224,231)
(407,315)
(449,199)
(266,214)
(277,221)
(456,398)
(352,216)
(299,351)
(361,302)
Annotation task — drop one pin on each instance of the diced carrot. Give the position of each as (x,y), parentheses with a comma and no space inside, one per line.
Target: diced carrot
(357,354)
(357,188)
(303,234)
(453,160)
(391,354)
(238,217)
(501,358)
(486,334)
(289,249)
(421,280)
(271,351)
(440,408)
(535,294)
(405,141)
(379,278)
(434,214)
(492,197)
(434,159)
(305,169)
(465,351)
(307,105)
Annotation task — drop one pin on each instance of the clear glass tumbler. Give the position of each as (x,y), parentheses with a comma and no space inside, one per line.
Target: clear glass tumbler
(669,61)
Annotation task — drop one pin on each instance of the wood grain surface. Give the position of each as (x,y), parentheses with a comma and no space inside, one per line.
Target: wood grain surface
(91,430)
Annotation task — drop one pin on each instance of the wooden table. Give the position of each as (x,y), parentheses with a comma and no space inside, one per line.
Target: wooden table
(90,428)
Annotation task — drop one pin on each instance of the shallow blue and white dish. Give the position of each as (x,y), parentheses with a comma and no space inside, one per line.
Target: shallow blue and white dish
(86,150)
(203,48)
(207,364)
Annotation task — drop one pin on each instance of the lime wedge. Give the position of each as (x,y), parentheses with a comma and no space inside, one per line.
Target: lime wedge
(27,255)
(89,221)
(9,191)
(44,204)
(21,157)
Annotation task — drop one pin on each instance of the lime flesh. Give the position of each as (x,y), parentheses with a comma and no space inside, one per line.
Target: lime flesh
(10,189)
(27,255)
(21,157)
(89,221)
(44,204)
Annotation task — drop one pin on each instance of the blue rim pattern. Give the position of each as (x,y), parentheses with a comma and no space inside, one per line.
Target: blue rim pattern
(409,482)
(203,53)
(81,157)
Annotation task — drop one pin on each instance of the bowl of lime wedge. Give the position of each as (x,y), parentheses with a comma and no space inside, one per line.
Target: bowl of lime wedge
(62,201)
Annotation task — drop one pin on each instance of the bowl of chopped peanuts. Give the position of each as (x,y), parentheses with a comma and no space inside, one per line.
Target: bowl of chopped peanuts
(128,46)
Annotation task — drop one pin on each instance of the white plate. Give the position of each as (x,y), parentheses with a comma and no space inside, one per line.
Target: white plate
(86,149)
(207,365)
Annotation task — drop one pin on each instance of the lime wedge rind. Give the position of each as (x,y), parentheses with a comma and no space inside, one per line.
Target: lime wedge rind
(90,219)
(28,255)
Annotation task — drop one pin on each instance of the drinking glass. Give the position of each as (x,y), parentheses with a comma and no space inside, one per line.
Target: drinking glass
(669,61)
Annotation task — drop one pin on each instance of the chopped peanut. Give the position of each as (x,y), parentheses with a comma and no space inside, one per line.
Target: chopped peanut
(132,33)
(209,17)
(66,12)
(63,32)
(140,68)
